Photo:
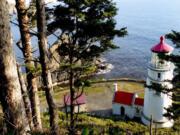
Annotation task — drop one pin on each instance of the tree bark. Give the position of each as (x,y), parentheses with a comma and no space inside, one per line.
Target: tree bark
(10,91)
(25,97)
(151,124)
(72,92)
(27,52)
(44,60)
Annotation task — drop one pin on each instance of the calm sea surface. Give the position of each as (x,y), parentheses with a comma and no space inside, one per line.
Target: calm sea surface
(146,21)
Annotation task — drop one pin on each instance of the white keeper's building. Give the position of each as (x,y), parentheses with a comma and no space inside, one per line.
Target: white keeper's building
(127,104)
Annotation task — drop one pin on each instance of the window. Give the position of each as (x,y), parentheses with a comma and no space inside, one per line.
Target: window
(137,110)
(159,75)
(161,61)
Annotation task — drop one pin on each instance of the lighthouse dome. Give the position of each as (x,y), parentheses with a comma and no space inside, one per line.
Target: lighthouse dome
(162,47)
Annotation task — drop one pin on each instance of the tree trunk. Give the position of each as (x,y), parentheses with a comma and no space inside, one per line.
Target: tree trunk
(27,52)
(151,124)
(25,97)
(44,60)
(72,92)
(10,91)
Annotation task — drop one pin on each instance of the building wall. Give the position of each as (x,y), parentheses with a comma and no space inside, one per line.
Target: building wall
(168,123)
(138,110)
(164,75)
(155,61)
(130,111)
(156,102)
(80,108)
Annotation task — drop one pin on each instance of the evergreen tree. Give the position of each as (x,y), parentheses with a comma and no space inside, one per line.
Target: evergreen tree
(25,96)
(85,29)
(44,61)
(174,111)
(26,49)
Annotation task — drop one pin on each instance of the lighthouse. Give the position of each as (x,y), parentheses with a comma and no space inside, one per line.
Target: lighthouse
(159,71)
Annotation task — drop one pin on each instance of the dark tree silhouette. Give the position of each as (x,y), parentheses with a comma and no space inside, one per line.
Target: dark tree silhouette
(85,29)
(174,110)
(44,61)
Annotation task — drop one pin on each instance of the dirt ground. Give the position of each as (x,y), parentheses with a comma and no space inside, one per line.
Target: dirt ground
(100,103)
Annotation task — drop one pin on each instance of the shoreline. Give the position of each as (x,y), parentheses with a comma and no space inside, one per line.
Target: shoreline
(106,80)
(120,79)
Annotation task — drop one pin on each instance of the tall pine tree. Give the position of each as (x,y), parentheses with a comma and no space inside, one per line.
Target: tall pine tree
(85,29)
(44,61)
(26,49)
(174,111)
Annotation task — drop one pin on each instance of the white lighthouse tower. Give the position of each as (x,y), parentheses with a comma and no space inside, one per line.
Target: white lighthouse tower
(159,71)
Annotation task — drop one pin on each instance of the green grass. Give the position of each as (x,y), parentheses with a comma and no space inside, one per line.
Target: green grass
(60,91)
(99,125)
(100,87)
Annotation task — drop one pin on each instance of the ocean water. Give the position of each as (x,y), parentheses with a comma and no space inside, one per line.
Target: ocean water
(146,21)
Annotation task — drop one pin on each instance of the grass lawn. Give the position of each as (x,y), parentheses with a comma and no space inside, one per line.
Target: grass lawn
(109,126)
(95,88)
(100,125)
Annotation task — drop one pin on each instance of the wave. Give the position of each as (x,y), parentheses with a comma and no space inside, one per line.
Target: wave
(104,68)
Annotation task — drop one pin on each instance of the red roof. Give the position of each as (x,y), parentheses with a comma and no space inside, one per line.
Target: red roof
(139,101)
(123,97)
(162,47)
(80,100)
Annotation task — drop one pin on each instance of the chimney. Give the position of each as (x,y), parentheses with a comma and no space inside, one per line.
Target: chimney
(115,87)
(115,90)
(134,97)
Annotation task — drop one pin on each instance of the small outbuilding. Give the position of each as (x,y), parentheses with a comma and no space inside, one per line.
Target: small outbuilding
(127,104)
(79,103)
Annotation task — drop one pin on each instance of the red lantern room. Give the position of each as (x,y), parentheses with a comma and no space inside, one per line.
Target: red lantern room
(162,47)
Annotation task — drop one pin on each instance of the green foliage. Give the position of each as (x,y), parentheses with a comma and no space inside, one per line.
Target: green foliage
(85,131)
(39,133)
(81,83)
(108,126)
(1,120)
(86,29)
(34,70)
(159,88)
(174,110)
(31,12)
(174,37)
